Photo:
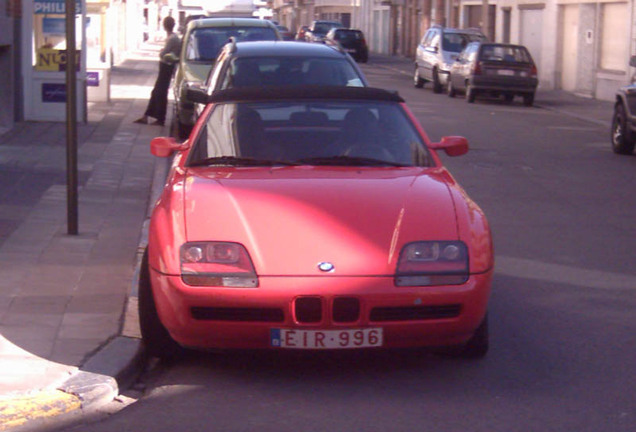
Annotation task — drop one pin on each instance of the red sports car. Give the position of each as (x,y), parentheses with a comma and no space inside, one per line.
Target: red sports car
(313,218)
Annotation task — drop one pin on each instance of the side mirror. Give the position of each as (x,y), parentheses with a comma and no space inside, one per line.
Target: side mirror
(197,94)
(452,145)
(166,146)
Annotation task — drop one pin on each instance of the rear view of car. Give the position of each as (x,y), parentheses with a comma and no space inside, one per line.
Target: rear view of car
(319,29)
(281,63)
(495,70)
(352,41)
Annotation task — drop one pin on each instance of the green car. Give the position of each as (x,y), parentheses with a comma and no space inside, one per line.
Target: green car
(202,42)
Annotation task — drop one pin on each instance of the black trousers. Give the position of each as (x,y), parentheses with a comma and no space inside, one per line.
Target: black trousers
(158,103)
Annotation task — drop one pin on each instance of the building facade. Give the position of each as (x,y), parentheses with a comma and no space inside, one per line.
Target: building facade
(580,46)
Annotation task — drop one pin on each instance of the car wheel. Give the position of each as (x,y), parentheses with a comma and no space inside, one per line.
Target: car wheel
(470,93)
(156,338)
(417,80)
(476,347)
(450,89)
(528,99)
(437,85)
(622,140)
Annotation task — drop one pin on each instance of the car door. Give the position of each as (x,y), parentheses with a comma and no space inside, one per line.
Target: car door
(430,55)
(421,51)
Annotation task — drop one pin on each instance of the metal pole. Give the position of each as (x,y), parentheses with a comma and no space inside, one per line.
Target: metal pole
(71,120)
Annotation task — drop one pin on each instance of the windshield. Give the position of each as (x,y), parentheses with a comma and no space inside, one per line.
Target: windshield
(324,27)
(342,133)
(267,71)
(455,42)
(505,53)
(204,44)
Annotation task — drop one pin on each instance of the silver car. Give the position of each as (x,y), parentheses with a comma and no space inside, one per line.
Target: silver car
(437,51)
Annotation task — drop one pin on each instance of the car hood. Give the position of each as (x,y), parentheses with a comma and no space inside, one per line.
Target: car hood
(196,72)
(292,219)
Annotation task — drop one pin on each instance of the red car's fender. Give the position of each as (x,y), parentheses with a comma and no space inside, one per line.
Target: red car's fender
(474,230)
(167,232)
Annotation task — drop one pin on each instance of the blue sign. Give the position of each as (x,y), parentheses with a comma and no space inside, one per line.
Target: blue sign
(54,7)
(92,79)
(53,92)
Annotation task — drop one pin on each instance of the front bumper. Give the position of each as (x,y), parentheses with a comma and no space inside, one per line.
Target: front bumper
(242,318)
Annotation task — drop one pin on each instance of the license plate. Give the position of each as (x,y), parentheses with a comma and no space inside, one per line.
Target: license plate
(506,72)
(326,339)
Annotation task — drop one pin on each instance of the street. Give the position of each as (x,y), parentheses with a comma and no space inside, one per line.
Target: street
(562,209)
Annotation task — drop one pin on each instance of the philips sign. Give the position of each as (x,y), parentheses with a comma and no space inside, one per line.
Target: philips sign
(54,7)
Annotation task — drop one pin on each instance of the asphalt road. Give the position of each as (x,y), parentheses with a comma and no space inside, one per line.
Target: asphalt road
(562,208)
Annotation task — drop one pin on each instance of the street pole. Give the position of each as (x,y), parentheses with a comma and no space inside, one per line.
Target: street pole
(71,121)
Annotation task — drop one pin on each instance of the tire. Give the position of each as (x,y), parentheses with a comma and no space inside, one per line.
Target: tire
(418,82)
(528,99)
(437,85)
(450,90)
(470,93)
(156,339)
(623,141)
(476,347)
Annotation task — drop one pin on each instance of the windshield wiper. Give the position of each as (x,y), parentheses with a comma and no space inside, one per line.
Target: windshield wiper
(239,161)
(348,161)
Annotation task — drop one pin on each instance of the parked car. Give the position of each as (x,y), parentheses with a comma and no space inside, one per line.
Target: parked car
(242,64)
(624,118)
(351,40)
(202,41)
(437,51)
(301,33)
(280,63)
(494,69)
(313,218)
(319,29)
(285,33)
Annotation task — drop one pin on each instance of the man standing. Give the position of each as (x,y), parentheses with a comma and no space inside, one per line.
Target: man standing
(158,104)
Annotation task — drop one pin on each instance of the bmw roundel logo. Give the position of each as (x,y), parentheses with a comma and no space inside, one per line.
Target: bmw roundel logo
(326,267)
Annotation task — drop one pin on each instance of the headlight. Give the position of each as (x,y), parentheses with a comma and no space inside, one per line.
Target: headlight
(217,264)
(428,263)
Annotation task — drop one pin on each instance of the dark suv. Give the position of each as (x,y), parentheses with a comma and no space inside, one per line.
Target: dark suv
(437,51)
(319,29)
(624,119)
(351,40)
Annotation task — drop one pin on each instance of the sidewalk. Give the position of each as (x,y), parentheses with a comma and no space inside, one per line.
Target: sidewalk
(69,338)
(68,331)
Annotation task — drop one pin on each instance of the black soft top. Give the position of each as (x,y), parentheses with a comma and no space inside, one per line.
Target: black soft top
(303,92)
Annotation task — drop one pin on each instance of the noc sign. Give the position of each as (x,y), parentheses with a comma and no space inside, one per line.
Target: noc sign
(54,7)
(49,59)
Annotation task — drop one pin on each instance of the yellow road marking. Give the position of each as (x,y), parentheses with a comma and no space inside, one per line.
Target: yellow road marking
(17,410)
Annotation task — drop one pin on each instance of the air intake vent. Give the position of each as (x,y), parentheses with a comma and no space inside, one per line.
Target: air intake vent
(415,313)
(346,310)
(308,309)
(237,314)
